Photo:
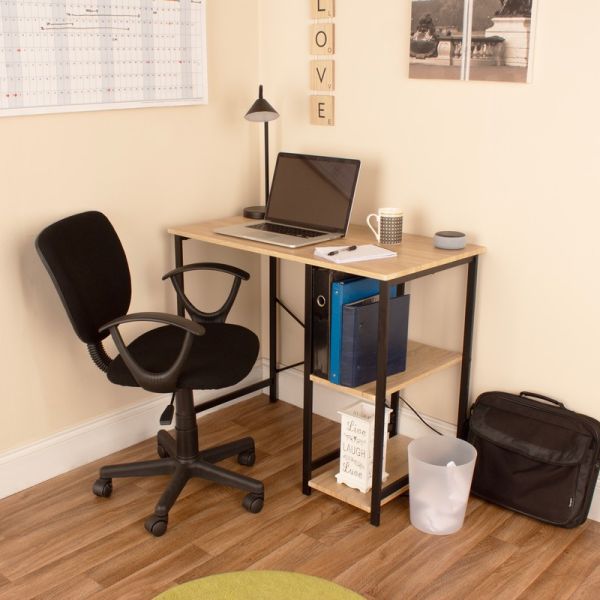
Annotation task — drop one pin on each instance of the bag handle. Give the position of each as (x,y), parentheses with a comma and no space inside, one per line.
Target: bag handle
(540,397)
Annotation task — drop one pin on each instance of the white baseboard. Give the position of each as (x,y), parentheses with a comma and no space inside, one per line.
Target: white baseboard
(26,466)
(327,402)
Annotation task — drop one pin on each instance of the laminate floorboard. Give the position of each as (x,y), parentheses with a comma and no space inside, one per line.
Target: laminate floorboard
(59,541)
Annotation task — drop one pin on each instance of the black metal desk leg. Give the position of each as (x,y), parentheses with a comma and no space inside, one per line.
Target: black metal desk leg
(273,393)
(308,384)
(395,405)
(465,372)
(179,263)
(380,389)
(395,397)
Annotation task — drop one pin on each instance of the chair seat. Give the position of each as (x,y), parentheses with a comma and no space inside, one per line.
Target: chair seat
(221,357)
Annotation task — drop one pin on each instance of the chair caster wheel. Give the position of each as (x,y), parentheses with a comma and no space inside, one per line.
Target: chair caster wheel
(253,503)
(247,458)
(156,525)
(102,487)
(162,453)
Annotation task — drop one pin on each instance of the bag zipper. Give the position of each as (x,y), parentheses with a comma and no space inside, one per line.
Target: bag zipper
(551,410)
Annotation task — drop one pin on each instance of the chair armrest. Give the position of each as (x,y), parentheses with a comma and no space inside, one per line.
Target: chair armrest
(157,317)
(209,267)
(166,380)
(219,315)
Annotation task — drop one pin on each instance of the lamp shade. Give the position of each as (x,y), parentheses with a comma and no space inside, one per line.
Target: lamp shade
(261,111)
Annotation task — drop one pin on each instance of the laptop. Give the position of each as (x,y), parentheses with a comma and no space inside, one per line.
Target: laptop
(310,202)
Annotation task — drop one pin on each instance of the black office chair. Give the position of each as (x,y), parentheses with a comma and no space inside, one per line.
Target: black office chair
(87,264)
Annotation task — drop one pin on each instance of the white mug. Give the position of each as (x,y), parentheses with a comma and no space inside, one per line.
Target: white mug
(389,225)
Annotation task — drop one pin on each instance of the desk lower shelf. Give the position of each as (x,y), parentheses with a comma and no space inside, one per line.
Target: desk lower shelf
(397,467)
(421,361)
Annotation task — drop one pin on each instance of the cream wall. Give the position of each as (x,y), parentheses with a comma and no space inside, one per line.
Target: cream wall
(146,169)
(517,167)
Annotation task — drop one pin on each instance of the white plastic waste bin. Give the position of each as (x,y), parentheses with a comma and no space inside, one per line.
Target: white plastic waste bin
(440,470)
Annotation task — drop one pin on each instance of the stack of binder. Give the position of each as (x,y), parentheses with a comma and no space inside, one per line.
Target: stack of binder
(321,316)
(345,317)
(358,363)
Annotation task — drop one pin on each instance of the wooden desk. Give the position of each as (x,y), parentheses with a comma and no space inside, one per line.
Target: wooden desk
(416,253)
(416,258)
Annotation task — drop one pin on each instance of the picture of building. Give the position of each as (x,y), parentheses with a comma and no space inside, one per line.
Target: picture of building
(498,34)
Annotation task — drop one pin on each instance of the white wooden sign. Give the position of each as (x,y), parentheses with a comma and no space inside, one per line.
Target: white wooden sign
(356,446)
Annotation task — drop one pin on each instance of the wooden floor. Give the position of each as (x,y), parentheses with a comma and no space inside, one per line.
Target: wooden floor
(59,541)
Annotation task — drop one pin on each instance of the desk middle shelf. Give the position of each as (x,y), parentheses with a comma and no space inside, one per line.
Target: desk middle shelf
(421,361)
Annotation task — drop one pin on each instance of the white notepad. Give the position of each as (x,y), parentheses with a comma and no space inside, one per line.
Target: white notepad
(365,252)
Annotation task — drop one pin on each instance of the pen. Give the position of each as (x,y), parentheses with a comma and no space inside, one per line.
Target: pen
(348,249)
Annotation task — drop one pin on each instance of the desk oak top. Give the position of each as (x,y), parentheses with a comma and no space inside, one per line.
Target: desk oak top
(416,253)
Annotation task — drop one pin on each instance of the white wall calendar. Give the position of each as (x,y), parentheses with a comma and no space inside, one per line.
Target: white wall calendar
(75,55)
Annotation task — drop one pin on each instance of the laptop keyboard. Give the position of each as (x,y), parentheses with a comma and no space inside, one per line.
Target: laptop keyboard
(296,231)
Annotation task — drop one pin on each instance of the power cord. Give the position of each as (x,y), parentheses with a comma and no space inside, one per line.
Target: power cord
(406,494)
(420,417)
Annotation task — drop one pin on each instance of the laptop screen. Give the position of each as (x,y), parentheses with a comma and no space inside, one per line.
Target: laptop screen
(313,191)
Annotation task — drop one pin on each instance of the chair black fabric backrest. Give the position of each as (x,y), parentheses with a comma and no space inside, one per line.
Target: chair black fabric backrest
(87,264)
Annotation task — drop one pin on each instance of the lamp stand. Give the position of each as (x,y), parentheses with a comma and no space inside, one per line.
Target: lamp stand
(261,112)
(258,212)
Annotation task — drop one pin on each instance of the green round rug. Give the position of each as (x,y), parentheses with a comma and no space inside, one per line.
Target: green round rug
(259,585)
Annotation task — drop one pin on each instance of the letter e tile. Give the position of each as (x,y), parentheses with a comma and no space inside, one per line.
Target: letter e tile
(322,110)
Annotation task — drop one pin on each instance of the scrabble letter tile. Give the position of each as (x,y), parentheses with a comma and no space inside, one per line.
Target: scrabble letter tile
(321,110)
(322,9)
(322,39)
(322,75)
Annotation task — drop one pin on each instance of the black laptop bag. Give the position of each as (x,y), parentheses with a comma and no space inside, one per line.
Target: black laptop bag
(534,456)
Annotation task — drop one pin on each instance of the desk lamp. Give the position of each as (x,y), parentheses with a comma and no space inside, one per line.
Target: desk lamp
(261,112)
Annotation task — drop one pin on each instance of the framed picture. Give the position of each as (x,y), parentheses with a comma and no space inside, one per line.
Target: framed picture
(485,40)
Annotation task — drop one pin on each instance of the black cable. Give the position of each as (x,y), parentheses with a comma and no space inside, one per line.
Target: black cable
(419,416)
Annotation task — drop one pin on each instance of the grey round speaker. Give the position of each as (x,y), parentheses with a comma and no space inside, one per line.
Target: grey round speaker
(449,240)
